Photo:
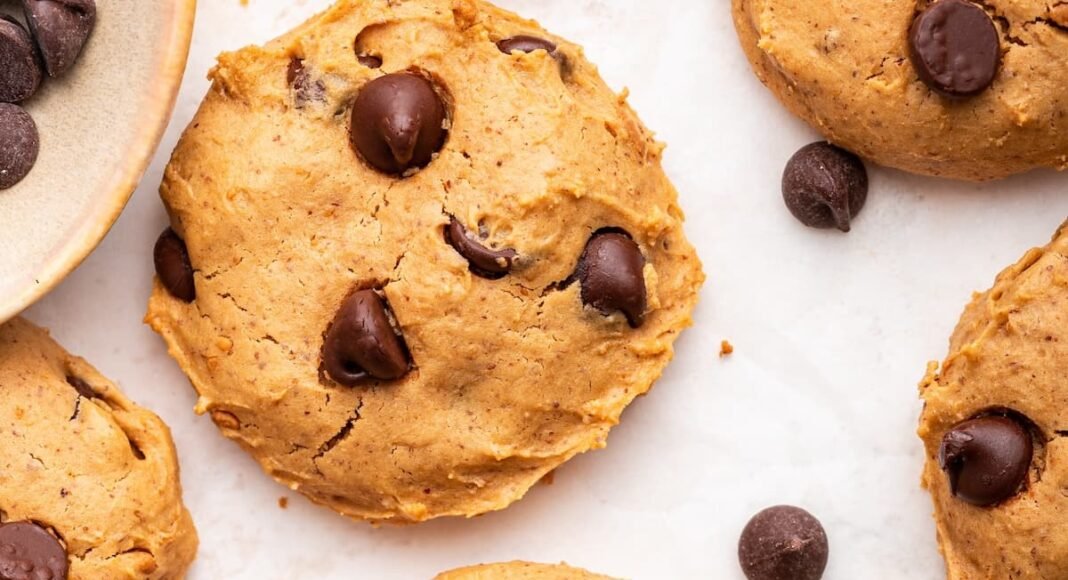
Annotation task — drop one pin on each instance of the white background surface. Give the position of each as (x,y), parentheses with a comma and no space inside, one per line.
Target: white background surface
(817,407)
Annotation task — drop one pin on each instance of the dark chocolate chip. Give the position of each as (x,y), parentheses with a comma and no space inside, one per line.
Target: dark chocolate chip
(361,342)
(525,43)
(611,272)
(20,75)
(82,387)
(986,459)
(173,267)
(783,543)
(61,28)
(305,89)
(369,60)
(19,144)
(825,186)
(484,262)
(955,48)
(398,122)
(29,552)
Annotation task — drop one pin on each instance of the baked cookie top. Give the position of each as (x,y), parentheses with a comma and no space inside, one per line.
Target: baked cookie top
(995,425)
(88,480)
(520,571)
(421,256)
(847,69)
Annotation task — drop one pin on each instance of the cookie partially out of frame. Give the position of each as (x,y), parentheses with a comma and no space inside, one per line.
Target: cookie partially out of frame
(520,571)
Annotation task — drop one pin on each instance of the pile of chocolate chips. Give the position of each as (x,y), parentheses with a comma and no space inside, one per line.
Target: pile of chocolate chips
(56,32)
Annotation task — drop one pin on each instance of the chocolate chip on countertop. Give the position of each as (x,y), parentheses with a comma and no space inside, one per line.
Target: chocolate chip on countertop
(398,122)
(955,48)
(361,342)
(173,267)
(783,543)
(28,551)
(525,43)
(19,144)
(825,186)
(986,459)
(61,28)
(484,262)
(611,272)
(20,75)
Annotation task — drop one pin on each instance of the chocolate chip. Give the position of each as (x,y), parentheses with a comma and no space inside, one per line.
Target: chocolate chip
(20,75)
(369,60)
(173,267)
(955,48)
(783,543)
(29,552)
(61,28)
(361,342)
(611,272)
(19,144)
(82,387)
(525,43)
(986,459)
(398,122)
(825,186)
(305,90)
(484,262)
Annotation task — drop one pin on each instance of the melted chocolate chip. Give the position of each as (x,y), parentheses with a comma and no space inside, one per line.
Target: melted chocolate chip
(986,459)
(20,75)
(825,186)
(955,48)
(369,60)
(29,552)
(525,43)
(19,144)
(305,90)
(61,28)
(611,272)
(783,543)
(173,267)
(81,387)
(361,342)
(484,262)
(398,122)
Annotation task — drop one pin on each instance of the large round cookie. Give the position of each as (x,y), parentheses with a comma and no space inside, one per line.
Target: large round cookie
(845,68)
(81,463)
(310,266)
(995,425)
(520,571)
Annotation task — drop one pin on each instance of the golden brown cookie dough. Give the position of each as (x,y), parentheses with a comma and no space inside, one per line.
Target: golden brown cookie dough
(520,571)
(284,223)
(845,69)
(83,461)
(1008,358)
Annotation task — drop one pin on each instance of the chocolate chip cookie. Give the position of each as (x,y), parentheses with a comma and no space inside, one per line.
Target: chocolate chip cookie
(968,90)
(88,481)
(420,256)
(520,571)
(995,425)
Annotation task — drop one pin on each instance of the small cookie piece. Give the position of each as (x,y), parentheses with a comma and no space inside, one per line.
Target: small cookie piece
(952,88)
(88,480)
(520,571)
(995,426)
(422,285)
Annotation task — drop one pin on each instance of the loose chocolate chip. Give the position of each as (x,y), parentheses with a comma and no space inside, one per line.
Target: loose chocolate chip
(362,343)
(19,144)
(398,122)
(955,48)
(61,28)
(484,262)
(20,75)
(611,272)
(525,43)
(986,459)
(369,60)
(81,386)
(305,89)
(173,267)
(825,186)
(29,552)
(783,543)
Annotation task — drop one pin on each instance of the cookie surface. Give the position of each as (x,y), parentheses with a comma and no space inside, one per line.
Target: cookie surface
(84,463)
(846,70)
(308,241)
(995,425)
(520,571)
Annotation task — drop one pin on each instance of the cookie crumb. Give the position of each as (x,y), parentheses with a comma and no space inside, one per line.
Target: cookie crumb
(283,502)
(726,349)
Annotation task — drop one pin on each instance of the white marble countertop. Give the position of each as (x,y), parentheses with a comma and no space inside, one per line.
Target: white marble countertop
(817,407)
